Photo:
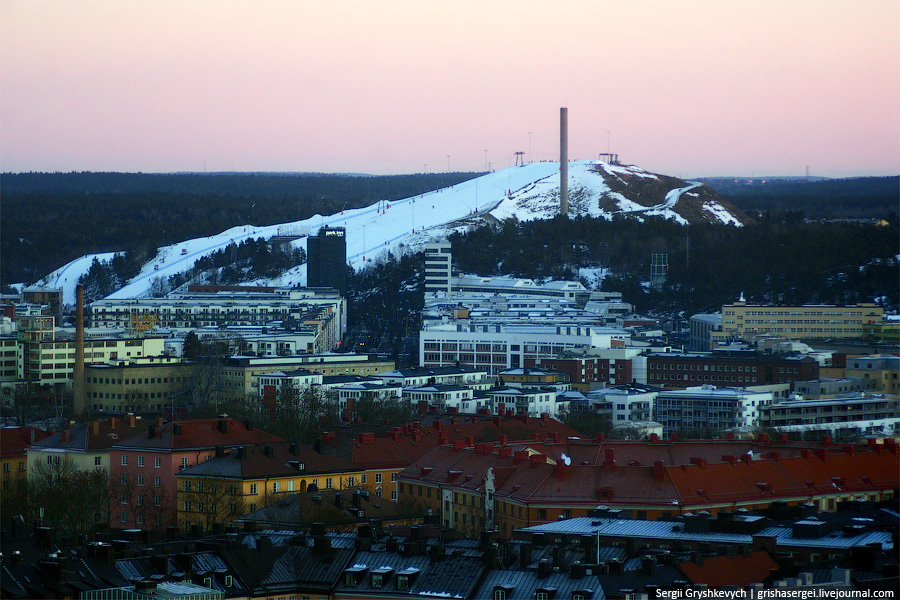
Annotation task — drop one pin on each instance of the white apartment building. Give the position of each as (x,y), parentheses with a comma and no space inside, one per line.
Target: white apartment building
(275,382)
(435,375)
(497,347)
(708,407)
(321,309)
(443,397)
(623,404)
(855,415)
(531,401)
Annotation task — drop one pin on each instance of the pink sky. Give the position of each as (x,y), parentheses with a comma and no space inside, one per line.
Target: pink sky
(686,88)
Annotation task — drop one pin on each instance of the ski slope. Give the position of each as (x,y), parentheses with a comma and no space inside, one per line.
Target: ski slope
(522,192)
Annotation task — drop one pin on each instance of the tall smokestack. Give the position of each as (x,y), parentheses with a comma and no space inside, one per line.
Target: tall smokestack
(78,374)
(564,161)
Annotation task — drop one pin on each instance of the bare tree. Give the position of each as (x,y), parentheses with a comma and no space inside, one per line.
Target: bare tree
(145,504)
(211,499)
(74,501)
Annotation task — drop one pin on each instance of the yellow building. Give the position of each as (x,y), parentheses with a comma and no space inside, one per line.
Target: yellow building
(137,385)
(884,370)
(14,465)
(239,372)
(887,331)
(247,478)
(47,357)
(740,320)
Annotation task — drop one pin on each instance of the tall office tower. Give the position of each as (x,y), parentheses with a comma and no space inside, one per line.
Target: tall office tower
(326,259)
(437,267)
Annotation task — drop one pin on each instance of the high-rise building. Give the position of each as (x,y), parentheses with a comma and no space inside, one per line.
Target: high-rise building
(326,256)
(437,267)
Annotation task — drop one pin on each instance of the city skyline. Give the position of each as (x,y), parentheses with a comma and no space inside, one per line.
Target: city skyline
(691,89)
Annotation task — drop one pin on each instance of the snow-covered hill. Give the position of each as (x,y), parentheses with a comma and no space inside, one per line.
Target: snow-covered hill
(523,192)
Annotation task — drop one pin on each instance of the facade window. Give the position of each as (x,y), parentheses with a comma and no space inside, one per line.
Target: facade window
(157,462)
(276,486)
(328,483)
(184,462)
(362,479)
(187,506)
(140,480)
(97,461)
(140,461)
(377,477)
(253,489)
(157,482)
(393,477)
(124,517)
(124,460)
(351,481)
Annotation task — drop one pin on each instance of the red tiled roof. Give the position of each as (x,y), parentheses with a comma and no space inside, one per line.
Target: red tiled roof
(545,478)
(737,570)
(14,440)
(199,433)
(404,445)
(787,477)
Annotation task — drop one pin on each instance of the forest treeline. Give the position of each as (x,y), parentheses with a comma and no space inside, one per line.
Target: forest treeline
(852,198)
(708,264)
(52,218)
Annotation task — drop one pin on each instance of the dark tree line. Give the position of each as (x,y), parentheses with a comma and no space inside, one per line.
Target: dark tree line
(709,264)
(251,259)
(857,198)
(52,218)
(384,303)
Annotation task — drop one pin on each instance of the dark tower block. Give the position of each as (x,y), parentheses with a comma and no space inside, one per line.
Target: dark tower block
(326,256)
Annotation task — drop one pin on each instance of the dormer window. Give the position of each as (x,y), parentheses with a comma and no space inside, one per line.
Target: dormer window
(545,593)
(406,577)
(354,575)
(584,594)
(502,592)
(380,576)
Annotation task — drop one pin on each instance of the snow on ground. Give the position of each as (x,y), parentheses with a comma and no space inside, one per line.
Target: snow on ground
(722,214)
(66,277)
(593,275)
(522,192)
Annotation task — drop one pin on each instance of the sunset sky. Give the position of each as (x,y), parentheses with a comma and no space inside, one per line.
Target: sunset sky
(689,88)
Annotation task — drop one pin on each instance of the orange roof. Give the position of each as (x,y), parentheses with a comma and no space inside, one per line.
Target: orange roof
(737,570)
(537,472)
(785,478)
